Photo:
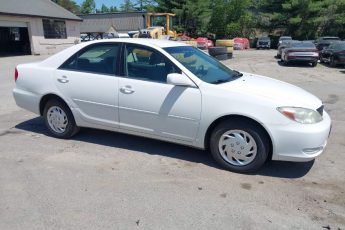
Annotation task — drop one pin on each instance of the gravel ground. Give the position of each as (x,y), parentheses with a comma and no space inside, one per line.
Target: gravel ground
(105,180)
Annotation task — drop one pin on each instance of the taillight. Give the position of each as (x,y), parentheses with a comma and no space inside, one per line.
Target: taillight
(15,74)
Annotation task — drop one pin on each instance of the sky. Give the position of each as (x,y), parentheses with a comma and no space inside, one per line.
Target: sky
(105,2)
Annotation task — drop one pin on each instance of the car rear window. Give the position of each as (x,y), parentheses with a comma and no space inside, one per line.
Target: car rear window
(302,45)
(100,58)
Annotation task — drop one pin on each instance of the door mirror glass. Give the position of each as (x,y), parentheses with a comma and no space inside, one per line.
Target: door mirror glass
(179,80)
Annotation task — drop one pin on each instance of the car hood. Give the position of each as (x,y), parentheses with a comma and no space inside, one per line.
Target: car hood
(278,92)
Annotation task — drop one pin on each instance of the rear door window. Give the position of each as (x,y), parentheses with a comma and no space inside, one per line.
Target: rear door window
(100,59)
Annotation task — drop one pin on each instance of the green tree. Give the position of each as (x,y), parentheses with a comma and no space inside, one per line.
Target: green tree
(113,9)
(192,16)
(303,19)
(232,18)
(69,5)
(128,6)
(88,7)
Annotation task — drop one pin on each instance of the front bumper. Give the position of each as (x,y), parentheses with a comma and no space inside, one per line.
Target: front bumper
(300,142)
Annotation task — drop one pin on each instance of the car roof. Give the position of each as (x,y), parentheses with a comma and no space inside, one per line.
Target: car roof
(162,43)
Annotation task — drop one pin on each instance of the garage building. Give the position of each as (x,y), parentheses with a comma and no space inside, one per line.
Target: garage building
(36,27)
(120,22)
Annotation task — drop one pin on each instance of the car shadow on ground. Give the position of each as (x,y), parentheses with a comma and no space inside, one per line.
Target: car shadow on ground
(155,147)
(342,71)
(295,64)
(335,67)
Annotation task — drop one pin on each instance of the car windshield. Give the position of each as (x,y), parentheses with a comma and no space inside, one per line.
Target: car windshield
(302,45)
(285,38)
(202,65)
(264,39)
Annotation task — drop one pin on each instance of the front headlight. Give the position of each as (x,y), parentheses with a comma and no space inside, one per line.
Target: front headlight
(301,115)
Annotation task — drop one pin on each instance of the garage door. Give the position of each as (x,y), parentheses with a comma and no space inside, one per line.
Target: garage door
(14,38)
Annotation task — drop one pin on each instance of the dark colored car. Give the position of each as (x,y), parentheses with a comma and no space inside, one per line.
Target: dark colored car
(283,39)
(334,54)
(263,42)
(323,42)
(300,52)
(283,45)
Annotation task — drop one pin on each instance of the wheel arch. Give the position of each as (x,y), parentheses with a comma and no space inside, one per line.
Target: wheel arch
(237,117)
(47,98)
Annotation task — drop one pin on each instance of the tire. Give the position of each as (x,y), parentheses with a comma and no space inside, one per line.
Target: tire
(249,129)
(56,106)
(332,62)
(225,42)
(221,57)
(217,50)
(230,55)
(314,64)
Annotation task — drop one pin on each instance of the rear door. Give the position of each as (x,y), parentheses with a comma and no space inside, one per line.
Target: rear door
(88,82)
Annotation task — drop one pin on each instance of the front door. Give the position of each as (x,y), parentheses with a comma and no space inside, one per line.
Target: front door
(88,82)
(147,104)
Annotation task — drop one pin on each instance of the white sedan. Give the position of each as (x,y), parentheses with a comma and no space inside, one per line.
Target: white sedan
(171,91)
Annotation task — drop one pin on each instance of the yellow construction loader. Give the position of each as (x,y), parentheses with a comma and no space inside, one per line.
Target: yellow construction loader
(159,26)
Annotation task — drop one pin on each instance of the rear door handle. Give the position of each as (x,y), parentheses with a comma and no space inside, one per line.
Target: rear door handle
(63,79)
(127,90)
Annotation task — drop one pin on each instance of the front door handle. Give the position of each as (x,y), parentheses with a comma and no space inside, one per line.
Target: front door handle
(127,90)
(63,79)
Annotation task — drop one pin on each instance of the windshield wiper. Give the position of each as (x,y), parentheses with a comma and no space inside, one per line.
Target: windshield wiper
(237,73)
(220,81)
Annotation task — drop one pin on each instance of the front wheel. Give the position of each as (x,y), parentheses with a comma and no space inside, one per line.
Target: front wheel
(314,64)
(59,119)
(239,146)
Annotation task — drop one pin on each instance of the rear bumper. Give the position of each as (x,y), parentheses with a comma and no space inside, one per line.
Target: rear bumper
(263,46)
(302,59)
(27,100)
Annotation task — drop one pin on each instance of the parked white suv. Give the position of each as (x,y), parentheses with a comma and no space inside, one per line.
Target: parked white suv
(171,91)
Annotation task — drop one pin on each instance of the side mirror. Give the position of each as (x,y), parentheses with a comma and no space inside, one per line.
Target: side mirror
(179,80)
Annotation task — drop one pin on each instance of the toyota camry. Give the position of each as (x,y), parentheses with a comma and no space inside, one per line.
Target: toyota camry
(174,92)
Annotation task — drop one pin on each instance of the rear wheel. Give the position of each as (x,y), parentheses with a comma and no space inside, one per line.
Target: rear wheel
(239,146)
(59,119)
